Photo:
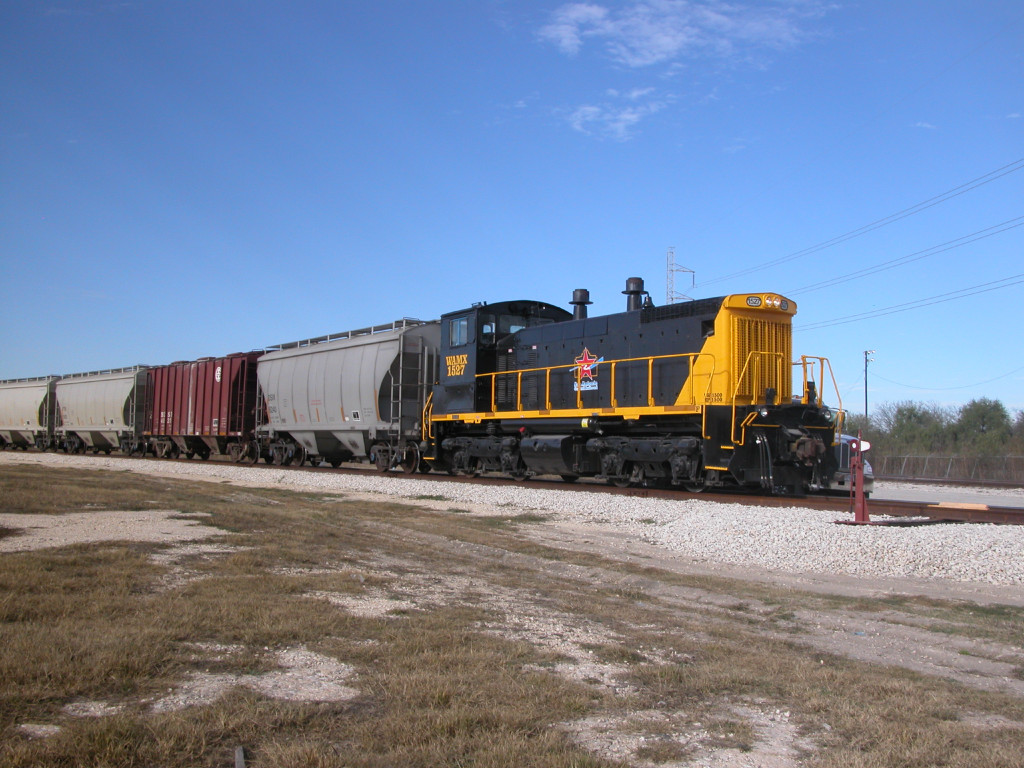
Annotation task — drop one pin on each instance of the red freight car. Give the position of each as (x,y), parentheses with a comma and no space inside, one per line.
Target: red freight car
(203,407)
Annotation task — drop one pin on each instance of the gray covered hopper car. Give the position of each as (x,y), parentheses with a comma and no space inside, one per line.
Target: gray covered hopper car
(27,412)
(358,395)
(103,410)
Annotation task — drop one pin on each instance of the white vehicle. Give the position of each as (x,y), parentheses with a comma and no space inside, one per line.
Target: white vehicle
(841,480)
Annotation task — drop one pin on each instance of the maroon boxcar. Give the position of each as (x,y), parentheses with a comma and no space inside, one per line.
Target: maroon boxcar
(203,407)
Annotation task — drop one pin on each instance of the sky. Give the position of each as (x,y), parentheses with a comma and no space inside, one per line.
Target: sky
(181,179)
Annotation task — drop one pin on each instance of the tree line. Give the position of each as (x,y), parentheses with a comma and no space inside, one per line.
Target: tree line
(981,428)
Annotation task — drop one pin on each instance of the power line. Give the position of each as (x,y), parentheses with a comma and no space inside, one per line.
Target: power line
(949,245)
(948,389)
(980,181)
(942,298)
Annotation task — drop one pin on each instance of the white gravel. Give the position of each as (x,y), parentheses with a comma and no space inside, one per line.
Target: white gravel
(782,539)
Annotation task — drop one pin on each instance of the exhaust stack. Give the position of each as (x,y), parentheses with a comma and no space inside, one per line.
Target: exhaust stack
(634,290)
(580,300)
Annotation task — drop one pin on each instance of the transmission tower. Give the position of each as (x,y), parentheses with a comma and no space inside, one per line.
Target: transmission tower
(671,297)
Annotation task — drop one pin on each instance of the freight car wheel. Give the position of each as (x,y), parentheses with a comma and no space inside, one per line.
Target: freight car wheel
(300,456)
(252,452)
(381,455)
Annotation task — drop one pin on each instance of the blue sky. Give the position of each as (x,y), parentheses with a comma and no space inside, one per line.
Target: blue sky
(181,179)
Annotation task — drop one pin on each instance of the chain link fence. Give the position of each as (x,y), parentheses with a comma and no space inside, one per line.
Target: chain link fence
(958,469)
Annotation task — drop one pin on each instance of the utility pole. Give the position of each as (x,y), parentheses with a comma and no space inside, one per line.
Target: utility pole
(866,361)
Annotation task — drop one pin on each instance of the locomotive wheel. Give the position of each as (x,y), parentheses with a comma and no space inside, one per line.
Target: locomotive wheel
(410,458)
(630,475)
(570,478)
(694,487)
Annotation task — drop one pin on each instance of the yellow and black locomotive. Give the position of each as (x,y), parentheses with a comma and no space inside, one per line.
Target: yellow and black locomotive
(696,394)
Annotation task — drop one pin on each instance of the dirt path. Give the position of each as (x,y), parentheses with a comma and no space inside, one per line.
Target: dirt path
(886,637)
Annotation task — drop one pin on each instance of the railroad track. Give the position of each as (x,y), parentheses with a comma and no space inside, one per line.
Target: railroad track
(905,511)
(950,481)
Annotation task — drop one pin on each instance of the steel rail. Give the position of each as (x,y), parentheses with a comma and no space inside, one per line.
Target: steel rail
(904,510)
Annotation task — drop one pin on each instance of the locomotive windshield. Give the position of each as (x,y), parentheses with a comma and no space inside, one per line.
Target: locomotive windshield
(494,327)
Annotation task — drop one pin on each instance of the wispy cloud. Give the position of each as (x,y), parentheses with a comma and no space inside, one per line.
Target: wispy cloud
(925,126)
(645,33)
(612,120)
(658,31)
(636,93)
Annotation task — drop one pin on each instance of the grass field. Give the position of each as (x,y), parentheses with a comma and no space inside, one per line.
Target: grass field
(323,631)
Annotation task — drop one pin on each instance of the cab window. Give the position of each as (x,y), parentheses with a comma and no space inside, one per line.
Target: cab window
(511,323)
(487,329)
(458,332)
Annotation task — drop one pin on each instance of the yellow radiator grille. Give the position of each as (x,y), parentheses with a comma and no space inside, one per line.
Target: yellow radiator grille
(761,355)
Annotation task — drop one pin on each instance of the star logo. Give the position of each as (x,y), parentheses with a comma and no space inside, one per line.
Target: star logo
(588,364)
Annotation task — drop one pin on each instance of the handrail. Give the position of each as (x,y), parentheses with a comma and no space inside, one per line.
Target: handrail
(109,371)
(612,364)
(30,380)
(779,362)
(395,325)
(822,363)
(427,426)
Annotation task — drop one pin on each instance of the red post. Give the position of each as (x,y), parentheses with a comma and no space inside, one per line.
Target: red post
(860,501)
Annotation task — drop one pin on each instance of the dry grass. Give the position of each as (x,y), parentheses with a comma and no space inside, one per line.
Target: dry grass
(476,671)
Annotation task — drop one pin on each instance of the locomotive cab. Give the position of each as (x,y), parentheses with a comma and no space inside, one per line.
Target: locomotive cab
(470,340)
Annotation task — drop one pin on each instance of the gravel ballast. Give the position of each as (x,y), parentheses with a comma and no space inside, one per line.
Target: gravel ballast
(781,539)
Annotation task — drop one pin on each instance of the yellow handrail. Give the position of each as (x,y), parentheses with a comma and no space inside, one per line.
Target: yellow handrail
(612,364)
(780,362)
(822,364)
(427,426)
